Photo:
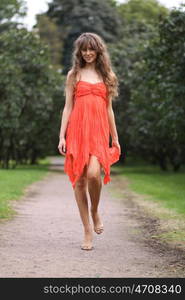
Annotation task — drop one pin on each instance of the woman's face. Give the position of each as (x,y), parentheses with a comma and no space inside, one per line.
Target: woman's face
(89,55)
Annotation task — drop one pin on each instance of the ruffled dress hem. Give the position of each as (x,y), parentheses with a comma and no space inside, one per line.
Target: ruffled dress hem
(114,155)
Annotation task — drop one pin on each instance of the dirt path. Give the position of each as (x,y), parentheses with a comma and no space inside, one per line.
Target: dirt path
(43,239)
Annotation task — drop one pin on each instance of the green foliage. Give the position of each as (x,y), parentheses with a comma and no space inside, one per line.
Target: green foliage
(157,108)
(142,11)
(137,32)
(50,35)
(28,86)
(149,60)
(11,8)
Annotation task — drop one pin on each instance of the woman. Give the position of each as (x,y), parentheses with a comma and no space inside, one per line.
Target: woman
(87,121)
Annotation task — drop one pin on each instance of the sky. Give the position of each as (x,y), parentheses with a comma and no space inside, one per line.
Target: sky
(39,6)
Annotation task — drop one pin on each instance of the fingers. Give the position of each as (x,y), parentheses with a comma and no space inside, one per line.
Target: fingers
(116,145)
(62,150)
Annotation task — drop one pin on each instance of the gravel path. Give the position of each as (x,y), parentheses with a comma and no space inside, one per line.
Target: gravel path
(43,239)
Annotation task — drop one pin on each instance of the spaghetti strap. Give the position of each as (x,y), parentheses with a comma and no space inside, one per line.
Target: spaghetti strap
(79,77)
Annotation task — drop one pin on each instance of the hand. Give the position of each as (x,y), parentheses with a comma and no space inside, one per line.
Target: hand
(116,144)
(62,146)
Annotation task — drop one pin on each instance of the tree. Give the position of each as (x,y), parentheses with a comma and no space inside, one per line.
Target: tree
(157,106)
(50,34)
(8,10)
(137,31)
(11,8)
(142,11)
(29,93)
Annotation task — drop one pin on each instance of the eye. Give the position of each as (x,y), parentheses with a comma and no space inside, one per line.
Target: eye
(89,48)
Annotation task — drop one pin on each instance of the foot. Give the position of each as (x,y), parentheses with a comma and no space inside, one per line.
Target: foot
(98,225)
(87,242)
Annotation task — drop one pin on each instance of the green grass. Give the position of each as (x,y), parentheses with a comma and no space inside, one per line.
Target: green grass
(172,236)
(167,188)
(14,181)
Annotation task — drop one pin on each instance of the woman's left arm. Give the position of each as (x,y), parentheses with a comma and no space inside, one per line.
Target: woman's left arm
(112,124)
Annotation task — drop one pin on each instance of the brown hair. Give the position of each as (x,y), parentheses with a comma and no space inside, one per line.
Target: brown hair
(102,64)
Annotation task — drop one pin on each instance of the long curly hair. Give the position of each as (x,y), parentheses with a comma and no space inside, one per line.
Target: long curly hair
(102,64)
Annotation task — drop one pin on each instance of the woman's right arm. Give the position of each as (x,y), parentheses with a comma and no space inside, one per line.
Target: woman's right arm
(66,112)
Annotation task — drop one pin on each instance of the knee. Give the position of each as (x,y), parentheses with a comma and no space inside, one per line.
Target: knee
(93,176)
(81,183)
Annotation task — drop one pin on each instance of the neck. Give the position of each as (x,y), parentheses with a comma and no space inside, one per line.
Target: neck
(90,66)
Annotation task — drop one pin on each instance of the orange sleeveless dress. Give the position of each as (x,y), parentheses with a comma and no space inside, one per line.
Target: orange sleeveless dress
(87,131)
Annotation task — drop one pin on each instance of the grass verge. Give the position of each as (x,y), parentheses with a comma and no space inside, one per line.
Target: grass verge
(14,181)
(160,194)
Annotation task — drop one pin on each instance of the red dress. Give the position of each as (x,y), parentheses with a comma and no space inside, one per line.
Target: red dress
(88,131)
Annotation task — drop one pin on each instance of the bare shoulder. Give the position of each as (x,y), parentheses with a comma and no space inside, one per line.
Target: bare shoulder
(70,73)
(70,77)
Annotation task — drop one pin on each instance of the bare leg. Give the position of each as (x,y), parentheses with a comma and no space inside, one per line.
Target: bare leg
(80,191)
(94,187)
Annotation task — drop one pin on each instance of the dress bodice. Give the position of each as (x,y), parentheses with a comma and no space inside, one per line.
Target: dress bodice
(86,88)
